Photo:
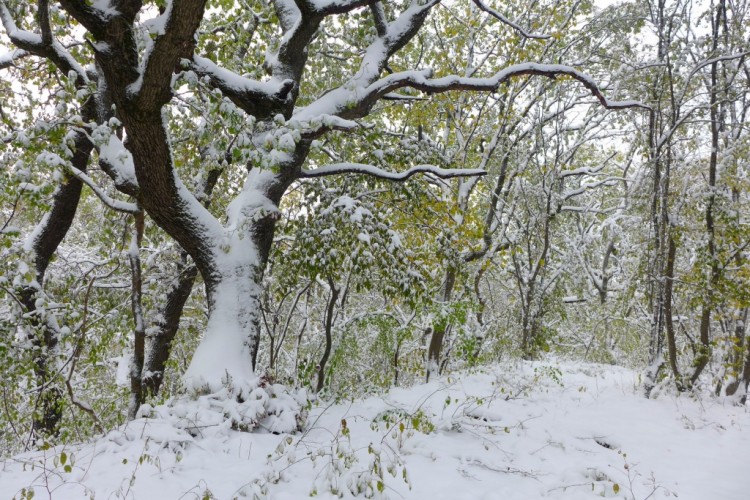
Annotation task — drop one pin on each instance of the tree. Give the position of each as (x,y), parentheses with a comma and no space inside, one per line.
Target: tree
(133,58)
(675,142)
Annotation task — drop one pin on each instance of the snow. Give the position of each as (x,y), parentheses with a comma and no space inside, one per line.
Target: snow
(361,168)
(511,431)
(105,8)
(115,153)
(236,82)
(223,356)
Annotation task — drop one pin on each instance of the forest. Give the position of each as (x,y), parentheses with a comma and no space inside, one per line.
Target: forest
(231,210)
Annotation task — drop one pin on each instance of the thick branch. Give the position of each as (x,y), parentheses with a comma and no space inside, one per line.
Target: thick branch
(43,19)
(259,99)
(331,7)
(378,16)
(94,20)
(348,100)
(9,59)
(339,101)
(421,81)
(176,42)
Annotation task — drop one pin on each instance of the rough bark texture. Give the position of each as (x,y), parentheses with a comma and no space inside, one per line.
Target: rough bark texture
(160,342)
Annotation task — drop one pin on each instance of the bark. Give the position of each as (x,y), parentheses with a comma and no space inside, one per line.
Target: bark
(139,328)
(740,358)
(166,327)
(529,310)
(669,323)
(604,288)
(328,328)
(159,343)
(439,328)
(704,350)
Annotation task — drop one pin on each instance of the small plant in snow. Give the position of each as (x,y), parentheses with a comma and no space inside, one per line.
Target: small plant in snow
(547,372)
(346,472)
(51,475)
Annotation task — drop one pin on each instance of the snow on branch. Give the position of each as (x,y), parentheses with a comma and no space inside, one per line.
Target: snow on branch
(322,124)
(254,97)
(96,21)
(40,45)
(354,98)
(422,81)
(9,59)
(584,170)
(379,17)
(175,42)
(497,15)
(117,205)
(361,168)
(117,163)
(356,102)
(588,186)
(331,7)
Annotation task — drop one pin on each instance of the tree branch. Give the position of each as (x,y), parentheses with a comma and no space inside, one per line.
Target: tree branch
(43,45)
(259,99)
(360,168)
(340,105)
(378,16)
(397,34)
(332,7)
(8,59)
(497,15)
(175,42)
(94,20)
(117,205)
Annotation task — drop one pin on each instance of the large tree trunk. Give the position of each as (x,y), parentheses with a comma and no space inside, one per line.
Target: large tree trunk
(224,355)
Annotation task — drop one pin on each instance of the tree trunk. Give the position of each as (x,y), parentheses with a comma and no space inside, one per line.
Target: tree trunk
(328,326)
(739,357)
(159,344)
(439,328)
(44,242)
(704,350)
(139,327)
(668,289)
(224,356)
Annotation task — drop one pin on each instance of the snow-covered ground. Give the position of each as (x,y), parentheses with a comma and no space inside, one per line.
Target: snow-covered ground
(513,431)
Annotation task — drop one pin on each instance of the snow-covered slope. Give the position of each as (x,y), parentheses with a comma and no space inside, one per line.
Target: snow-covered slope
(521,431)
